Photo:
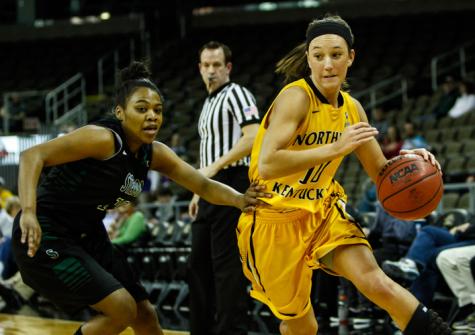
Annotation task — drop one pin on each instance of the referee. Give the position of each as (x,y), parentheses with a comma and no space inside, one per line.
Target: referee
(227,126)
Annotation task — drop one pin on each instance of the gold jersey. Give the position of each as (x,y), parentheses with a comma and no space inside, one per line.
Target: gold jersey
(323,125)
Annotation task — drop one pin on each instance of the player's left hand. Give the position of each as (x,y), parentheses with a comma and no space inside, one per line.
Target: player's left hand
(30,232)
(427,155)
(193,207)
(250,199)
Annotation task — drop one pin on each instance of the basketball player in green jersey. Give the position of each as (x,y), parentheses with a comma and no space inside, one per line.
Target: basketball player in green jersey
(59,241)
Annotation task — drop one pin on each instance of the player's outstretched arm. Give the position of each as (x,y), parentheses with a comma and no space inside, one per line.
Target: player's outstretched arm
(166,161)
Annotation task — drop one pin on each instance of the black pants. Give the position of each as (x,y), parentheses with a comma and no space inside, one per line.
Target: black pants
(74,272)
(218,296)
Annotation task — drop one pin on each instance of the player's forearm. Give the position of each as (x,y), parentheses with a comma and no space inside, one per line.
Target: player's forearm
(372,159)
(31,165)
(220,194)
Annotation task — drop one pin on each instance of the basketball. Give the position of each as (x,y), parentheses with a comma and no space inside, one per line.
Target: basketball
(409,187)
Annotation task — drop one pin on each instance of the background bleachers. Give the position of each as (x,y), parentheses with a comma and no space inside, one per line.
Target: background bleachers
(386,46)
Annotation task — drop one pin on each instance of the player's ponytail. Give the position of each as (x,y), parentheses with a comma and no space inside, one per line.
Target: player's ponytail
(136,70)
(294,65)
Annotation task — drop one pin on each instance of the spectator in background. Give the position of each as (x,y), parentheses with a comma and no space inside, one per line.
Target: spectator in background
(152,185)
(5,193)
(379,121)
(165,200)
(412,139)
(16,113)
(8,265)
(129,226)
(466,100)
(3,150)
(392,142)
(447,99)
(12,206)
(419,264)
(109,219)
(390,237)
(369,198)
(177,146)
(454,264)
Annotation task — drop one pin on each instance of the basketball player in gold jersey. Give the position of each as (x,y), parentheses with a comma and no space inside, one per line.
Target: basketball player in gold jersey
(308,129)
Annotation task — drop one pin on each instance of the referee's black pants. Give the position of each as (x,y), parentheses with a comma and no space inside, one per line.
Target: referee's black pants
(218,295)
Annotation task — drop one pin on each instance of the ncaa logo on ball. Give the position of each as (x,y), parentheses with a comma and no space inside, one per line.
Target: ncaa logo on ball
(395,177)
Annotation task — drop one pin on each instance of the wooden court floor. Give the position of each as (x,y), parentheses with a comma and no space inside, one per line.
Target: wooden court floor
(31,325)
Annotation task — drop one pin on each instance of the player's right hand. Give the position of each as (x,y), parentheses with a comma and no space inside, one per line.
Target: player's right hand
(30,232)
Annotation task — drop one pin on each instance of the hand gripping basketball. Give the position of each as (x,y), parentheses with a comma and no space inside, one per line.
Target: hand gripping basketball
(409,187)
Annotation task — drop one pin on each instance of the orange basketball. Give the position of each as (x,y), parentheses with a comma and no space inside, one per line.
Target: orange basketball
(409,187)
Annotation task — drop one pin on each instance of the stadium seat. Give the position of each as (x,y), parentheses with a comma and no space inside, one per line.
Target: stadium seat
(469,147)
(445,122)
(470,166)
(455,169)
(432,135)
(449,201)
(452,149)
(465,132)
(464,201)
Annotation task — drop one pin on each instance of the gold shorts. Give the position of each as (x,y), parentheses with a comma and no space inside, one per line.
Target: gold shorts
(279,251)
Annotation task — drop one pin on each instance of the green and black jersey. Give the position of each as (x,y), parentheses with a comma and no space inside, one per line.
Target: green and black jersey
(80,192)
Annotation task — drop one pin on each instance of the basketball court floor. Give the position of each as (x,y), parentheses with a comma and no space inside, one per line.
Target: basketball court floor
(31,325)
(12,324)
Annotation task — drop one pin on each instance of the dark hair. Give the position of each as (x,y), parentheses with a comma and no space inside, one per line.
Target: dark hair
(228,55)
(469,87)
(294,65)
(130,78)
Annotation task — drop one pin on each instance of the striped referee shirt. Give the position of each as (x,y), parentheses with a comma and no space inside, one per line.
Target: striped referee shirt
(224,113)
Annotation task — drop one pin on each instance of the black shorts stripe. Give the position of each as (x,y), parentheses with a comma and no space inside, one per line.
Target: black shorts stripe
(253,252)
(342,214)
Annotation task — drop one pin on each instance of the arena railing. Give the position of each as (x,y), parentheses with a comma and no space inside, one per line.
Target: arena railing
(66,103)
(377,94)
(460,187)
(108,64)
(454,60)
